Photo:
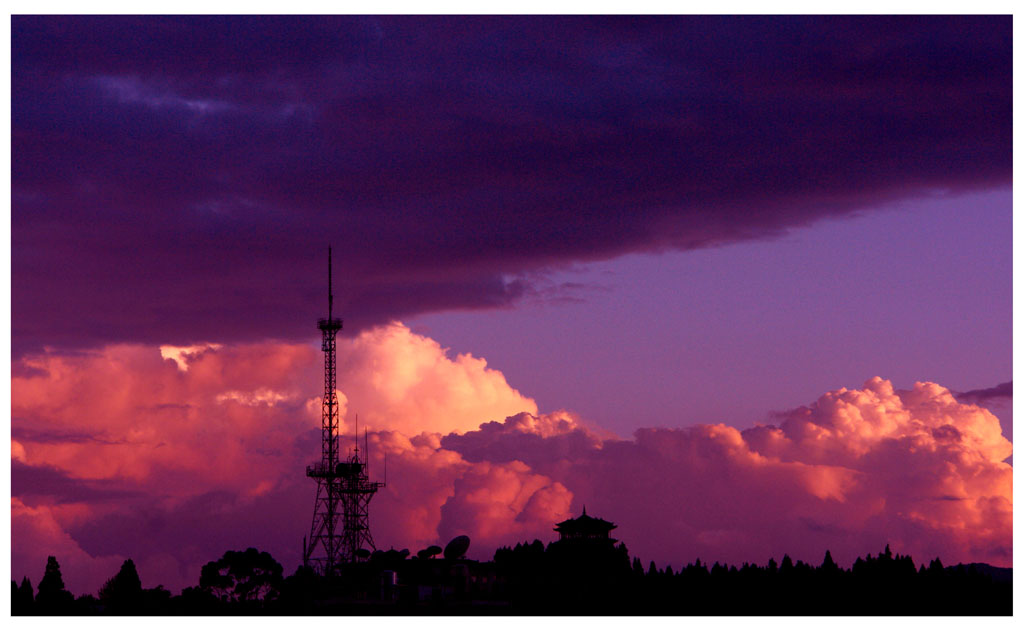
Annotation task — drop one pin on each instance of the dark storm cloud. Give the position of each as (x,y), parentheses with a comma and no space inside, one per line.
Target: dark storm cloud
(36,482)
(22,433)
(176,179)
(981,395)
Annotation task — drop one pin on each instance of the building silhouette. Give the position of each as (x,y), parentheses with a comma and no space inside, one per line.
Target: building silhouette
(585,529)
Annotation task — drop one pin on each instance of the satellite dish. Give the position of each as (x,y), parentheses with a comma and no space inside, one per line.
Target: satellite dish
(457,547)
(429,552)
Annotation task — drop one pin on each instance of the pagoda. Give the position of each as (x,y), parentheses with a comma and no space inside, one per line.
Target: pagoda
(585,528)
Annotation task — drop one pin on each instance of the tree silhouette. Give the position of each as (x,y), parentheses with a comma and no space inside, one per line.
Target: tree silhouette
(21,597)
(786,567)
(87,604)
(248,576)
(298,592)
(828,565)
(52,597)
(122,593)
(531,579)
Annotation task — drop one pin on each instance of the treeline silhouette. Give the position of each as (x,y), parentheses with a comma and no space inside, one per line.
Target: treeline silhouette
(534,579)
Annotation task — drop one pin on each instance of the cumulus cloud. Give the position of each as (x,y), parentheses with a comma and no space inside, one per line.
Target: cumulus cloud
(243,420)
(124,452)
(133,409)
(135,413)
(851,472)
(395,379)
(435,494)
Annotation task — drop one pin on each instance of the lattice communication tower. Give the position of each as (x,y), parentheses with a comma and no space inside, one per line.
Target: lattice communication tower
(341,517)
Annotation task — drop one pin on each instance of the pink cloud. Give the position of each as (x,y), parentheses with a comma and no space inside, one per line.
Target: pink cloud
(853,471)
(233,413)
(172,424)
(434,494)
(36,532)
(396,379)
(174,457)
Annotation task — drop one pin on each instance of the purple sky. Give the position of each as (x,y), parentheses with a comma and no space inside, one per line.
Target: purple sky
(648,221)
(919,291)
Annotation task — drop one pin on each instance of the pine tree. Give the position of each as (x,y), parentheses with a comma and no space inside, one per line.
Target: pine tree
(123,591)
(828,566)
(52,580)
(787,565)
(52,597)
(15,605)
(23,602)
(25,590)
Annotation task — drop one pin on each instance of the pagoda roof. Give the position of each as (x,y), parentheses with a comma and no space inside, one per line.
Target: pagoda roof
(585,523)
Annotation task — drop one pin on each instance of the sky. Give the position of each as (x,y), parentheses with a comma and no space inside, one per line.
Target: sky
(741,285)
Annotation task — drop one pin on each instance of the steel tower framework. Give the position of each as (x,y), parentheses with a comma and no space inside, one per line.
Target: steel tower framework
(343,488)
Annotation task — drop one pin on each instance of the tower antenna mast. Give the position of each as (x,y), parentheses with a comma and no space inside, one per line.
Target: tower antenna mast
(341,520)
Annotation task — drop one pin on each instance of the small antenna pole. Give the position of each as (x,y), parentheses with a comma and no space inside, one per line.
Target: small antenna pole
(357,437)
(330,286)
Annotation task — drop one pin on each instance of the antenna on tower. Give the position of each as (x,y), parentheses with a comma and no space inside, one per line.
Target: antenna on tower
(330,286)
(356,436)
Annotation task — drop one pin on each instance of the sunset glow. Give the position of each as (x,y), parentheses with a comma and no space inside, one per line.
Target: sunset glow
(739,285)
(854,470)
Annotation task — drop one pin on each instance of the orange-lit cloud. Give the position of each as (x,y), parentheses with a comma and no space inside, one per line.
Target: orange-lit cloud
(168,425)
(395,379)
(172,457)
(435,494)
(853,471)
(233,414)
